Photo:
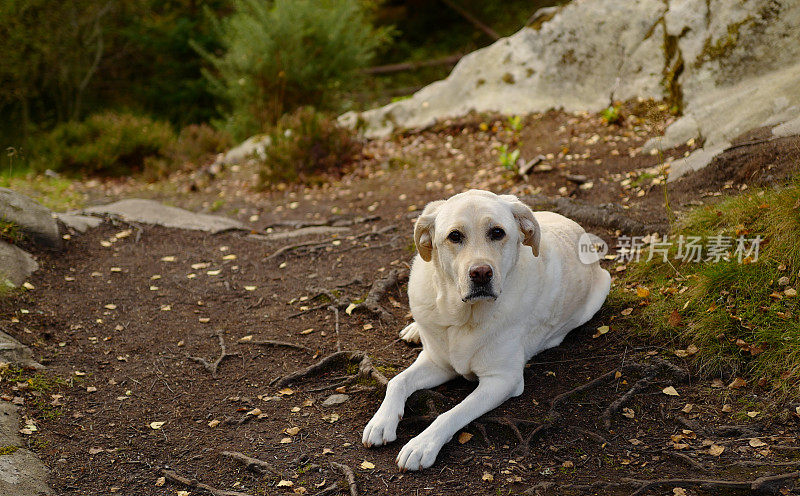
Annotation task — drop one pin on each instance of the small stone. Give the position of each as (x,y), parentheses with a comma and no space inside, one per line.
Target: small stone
(335,399)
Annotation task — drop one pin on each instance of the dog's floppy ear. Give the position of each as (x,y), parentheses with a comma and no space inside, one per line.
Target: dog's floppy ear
(423,229)
(531,234)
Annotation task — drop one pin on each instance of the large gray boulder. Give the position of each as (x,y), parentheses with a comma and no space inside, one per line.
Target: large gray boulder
(729,66)
(153,212)
(15,265)
(35,221)
(589,53)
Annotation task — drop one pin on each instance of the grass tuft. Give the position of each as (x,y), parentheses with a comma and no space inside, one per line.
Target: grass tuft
(742,317)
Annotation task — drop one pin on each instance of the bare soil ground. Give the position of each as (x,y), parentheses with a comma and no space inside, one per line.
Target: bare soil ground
(122,329)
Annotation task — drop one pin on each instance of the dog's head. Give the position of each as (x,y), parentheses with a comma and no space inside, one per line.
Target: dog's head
(474,239)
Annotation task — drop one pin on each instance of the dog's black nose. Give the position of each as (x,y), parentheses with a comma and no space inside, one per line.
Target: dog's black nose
(480,274)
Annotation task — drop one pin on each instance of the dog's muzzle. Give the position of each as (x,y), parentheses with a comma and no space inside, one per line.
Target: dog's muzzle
(480,277)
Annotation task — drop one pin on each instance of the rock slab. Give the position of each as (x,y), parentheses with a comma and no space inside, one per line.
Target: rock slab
(16,353)
(35,221)
(21,472)
(80,223)
(15,265)
(153,212)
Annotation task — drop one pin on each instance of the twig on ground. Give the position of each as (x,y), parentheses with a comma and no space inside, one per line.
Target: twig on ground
(348,473)
(213,366)
(252,464)
(175,477)
(335,311)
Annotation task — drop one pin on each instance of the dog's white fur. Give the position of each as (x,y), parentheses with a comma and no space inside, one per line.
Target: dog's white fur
(541,291)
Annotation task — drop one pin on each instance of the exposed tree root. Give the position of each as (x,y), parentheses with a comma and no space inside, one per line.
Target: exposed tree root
(334,221)
(175,477)
(313,244)
(280,344)
(761,485)
(608,215)
(648,370)
(285,249)
(252,464)
(349,475)
(333,488)
(379,288)
(365,369)
(213,366)
(687,460)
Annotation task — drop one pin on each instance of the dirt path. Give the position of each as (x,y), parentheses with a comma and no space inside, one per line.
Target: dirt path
(122,329)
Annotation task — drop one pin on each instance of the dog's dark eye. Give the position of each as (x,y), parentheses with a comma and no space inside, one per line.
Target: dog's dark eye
(496,233)
(455,236)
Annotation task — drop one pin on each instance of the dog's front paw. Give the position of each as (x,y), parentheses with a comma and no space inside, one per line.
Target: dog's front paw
(410,333)
(382,429)
(418,453)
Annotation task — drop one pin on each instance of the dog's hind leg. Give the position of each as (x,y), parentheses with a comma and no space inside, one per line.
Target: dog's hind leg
(410,333)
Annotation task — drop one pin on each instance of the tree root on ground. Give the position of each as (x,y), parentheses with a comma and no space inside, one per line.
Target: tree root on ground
(553,418)
(365,370)
(175,477)
(213,366)
(348,474)
(314,244)
(252,464)
(334,221)
(379,289)
(762,485)
(607,215)
(280,344)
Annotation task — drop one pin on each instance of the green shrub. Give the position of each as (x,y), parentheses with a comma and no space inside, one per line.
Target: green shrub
(108,144)
(306,144)
(197,144)
(280,55)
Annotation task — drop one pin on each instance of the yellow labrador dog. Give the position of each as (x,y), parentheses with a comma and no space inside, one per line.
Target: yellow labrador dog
(493,285)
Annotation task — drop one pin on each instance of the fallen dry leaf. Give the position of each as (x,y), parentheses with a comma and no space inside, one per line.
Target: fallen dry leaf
(464,437)
(285,483)
(642,292)
(367,465)
(292,431)
(156,425)
(628,412)
(670,391)
(161,481)
(487,477)
(756,442)
(715,450)
(737,383)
